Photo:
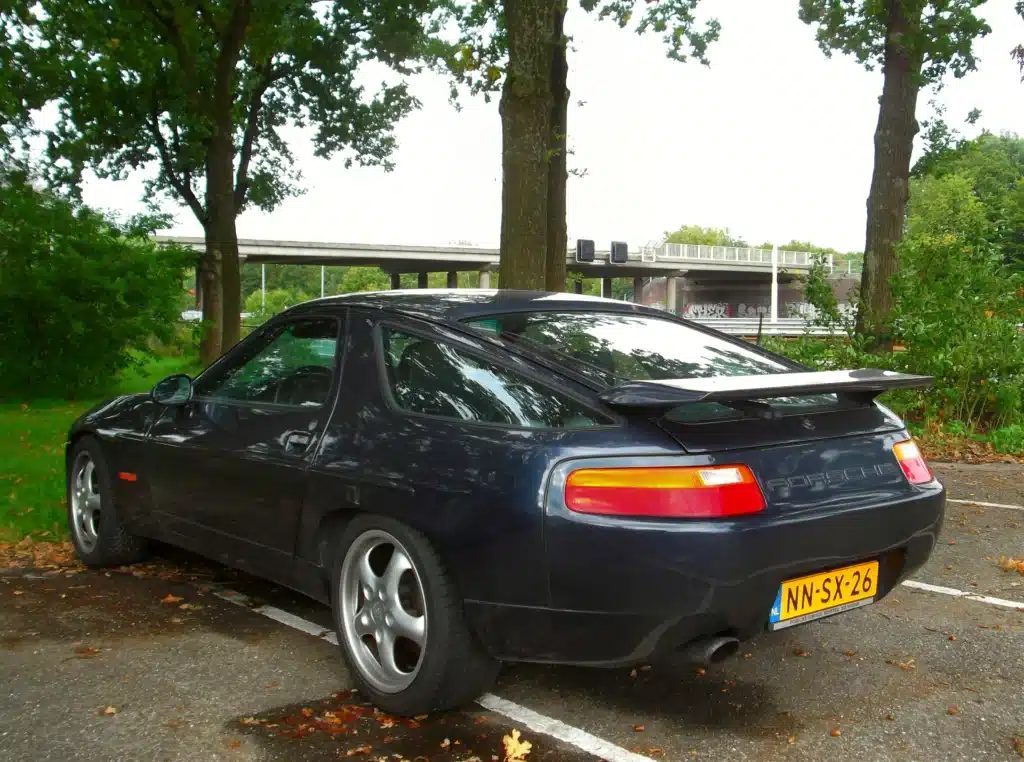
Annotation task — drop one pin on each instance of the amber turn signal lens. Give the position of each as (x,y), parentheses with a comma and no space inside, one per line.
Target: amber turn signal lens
(912,463)
(666,492)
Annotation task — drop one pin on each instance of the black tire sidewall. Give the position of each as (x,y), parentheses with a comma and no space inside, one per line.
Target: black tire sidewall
(439,654)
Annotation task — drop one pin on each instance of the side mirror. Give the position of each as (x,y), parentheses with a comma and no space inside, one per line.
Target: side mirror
(173,390)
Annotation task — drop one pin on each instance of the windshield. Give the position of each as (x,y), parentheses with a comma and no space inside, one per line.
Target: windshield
(613,347)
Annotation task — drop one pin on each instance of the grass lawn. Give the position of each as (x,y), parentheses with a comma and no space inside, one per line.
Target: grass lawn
(32,439)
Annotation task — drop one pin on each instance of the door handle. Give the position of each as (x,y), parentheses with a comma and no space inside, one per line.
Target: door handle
(297,439)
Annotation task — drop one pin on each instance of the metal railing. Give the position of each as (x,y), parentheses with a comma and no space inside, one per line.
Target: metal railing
(696,252)
(784,327)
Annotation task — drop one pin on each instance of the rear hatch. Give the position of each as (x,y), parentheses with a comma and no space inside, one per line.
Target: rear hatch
(812,439)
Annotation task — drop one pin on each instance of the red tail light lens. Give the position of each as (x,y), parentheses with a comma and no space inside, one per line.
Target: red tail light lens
(691,492)
(913,465)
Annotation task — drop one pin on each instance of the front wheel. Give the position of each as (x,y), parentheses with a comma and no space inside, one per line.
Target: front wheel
(400,623)
(99,537)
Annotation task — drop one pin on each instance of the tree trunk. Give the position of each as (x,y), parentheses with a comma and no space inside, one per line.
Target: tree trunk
(221,236)
(557,168)
(209,285)
(525,108)
(887,200)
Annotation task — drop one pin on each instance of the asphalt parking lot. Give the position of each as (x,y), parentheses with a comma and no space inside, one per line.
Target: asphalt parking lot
(152,664)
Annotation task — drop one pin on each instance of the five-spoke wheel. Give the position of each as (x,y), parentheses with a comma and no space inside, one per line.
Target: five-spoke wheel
(85,501)
(383,610)
(400,620)
(97,532)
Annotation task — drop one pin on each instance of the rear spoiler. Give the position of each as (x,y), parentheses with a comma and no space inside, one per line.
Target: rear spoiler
(742,391)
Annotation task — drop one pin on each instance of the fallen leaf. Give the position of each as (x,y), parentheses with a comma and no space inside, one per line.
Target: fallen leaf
(173,723)
(249,721)
(848,652)
(171,599)
(638,728)
(84,652)
(446,743)
(110,711)
(791,740)
(1007,564)
(890,716)
(952,637)
(656,751)
(632,674)
(234,744)
(17,592)
(801,652)
(836,733)
(700,670)
(516,748)
(953,709)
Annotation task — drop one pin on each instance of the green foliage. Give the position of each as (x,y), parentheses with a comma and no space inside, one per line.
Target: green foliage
(941,40)
(278,300)
(818,292)
(707,236)
(478,55)
(957,308)
(78,294)
(994,164)
(151,83)
(1009,439)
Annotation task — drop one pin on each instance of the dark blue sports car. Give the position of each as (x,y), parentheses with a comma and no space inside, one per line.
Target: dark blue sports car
(472,477)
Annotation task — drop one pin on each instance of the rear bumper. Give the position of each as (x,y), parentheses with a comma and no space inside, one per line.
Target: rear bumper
(629,591)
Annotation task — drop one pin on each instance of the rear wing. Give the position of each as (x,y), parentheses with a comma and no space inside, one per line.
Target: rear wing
(664,394)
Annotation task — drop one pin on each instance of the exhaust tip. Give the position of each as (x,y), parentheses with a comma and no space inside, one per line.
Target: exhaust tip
(707,651)
(728,648)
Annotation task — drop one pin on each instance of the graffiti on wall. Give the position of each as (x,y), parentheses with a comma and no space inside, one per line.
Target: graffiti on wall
(726,310)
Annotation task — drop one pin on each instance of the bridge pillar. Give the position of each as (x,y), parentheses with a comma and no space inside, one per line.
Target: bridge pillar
(485,279)
(421,281)
(670,294)
(606,288)
(452,280)
(638,289)
(396,280)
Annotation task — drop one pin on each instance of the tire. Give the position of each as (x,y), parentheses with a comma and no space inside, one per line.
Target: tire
(414,596)
(99,537)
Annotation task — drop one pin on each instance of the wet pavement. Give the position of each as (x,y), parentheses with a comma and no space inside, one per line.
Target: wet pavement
(149,664)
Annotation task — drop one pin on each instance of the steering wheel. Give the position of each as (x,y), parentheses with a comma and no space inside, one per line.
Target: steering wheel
(300,374)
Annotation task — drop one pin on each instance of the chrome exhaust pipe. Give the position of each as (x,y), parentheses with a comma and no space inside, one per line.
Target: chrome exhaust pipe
(707,651)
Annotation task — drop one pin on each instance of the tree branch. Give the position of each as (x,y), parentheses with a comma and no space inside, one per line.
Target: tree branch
(270,76)
(183,188)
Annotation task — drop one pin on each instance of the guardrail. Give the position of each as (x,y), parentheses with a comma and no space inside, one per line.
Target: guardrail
(697,252)
(749,326)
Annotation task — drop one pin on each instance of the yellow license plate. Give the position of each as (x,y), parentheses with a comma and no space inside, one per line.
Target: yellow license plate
(819,595)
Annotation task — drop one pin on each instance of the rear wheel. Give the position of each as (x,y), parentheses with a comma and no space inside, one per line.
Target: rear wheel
(99,537)
(400,622)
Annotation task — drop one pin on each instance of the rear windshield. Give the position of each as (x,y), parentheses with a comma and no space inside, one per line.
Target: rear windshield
(610,348)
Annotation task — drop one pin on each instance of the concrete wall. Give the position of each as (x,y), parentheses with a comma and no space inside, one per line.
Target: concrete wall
(729,297)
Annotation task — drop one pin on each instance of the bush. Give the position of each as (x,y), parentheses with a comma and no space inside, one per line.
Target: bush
(278,300)
(956,316)
(80,298)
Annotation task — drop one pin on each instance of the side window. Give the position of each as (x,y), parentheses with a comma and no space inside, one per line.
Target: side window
(433,378)
(293,365)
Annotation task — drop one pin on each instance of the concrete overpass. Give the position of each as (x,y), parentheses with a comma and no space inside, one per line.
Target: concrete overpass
(669,261)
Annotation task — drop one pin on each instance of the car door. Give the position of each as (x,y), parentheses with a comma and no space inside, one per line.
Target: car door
(228,469)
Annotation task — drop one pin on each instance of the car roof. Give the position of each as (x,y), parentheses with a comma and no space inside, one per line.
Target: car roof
(458,304)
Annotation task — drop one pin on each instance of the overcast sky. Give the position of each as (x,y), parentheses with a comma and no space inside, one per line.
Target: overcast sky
(772,141)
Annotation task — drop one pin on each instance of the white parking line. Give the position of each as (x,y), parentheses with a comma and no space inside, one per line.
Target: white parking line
(530,719)
(1003,602)
(987,505)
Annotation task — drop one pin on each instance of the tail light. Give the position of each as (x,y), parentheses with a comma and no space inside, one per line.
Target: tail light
(668,492)
(913,465)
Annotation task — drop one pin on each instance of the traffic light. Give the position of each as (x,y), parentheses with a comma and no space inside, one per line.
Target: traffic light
(584,250)
(618,254)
